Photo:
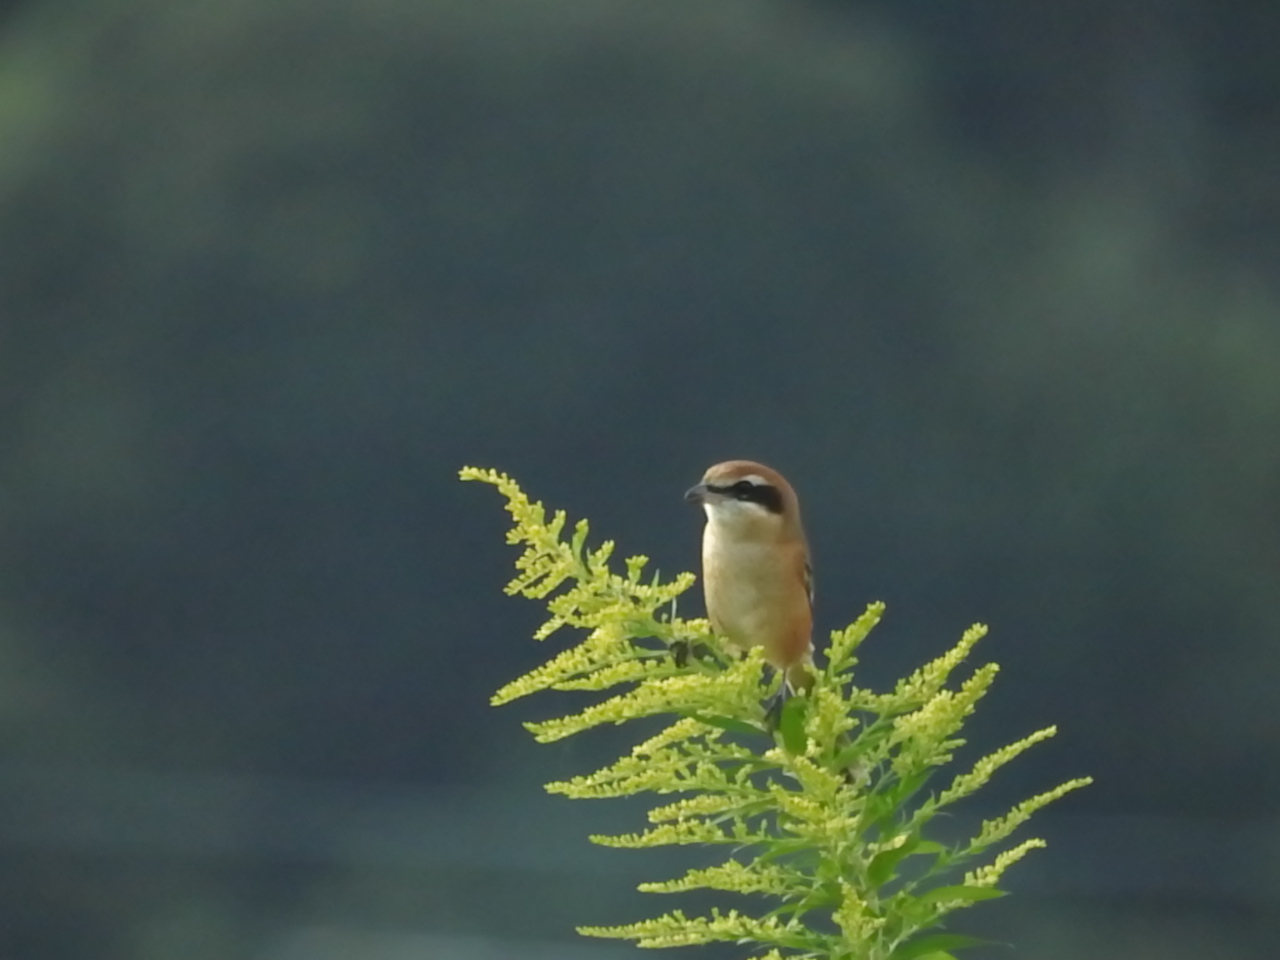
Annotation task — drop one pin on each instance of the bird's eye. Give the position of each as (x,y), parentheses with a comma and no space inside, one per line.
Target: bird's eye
(743,488)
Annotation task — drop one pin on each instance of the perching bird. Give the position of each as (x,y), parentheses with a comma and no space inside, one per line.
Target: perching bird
(755,566)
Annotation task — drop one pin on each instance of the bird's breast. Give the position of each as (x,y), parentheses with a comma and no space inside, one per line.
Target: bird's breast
(755,596)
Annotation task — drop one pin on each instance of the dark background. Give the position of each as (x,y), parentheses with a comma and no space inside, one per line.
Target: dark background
(995,284)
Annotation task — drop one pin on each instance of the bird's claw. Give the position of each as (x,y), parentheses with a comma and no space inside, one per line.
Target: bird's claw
(774,705)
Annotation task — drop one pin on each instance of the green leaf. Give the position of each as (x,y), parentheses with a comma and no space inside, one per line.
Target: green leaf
(878,807)
(870,738)
(905,790)
(640,629)
(885,806)
(962,893)
(725,723)
(882,865)
(934,945)
(845,758)
(781,848)
(791,725)
(881,869)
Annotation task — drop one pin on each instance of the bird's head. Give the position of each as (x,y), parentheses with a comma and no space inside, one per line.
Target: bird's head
(747,498)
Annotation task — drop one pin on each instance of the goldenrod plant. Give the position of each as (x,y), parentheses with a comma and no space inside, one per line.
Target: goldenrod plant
(824,813)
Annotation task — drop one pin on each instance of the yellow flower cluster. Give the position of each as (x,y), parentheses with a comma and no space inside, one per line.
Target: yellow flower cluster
(597,595)
(856,918)
(966,783)
(993,831)
(844,643)
(822,804)
(676,930)
(988,875)
(731,876)
(924,734)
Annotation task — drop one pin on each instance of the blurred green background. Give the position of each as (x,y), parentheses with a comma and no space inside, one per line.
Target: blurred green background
(996,284)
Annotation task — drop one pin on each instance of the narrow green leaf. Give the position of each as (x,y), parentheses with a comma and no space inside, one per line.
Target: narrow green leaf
(905,790)
(780,848)
(884,808)
(868,740)
(641,630)
(725,723)
(877,807)
(881,869)
(882,866)
(965,894)
(933,945)
(791,725)
(845,758)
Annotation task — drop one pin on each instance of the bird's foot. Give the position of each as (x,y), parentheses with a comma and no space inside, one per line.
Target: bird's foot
(774,705)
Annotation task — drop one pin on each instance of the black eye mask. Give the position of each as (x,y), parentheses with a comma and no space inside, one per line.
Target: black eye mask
(767,496)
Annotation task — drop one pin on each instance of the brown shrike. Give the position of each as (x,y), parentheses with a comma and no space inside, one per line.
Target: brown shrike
(755,566)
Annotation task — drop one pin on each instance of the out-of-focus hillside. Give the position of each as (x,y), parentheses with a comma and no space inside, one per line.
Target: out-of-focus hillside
(995,285)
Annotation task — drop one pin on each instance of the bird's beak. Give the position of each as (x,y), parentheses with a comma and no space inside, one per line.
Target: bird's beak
(696,494)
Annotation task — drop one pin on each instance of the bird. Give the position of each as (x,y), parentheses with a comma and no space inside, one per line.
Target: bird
(756,573)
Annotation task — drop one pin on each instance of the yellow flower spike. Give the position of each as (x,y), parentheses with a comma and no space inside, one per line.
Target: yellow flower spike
(843,644)
(993,831)
(677,930)
(702,805)
(855,917)
(667,834)
(732,877)
(929,679)
(989,875)
(966,783)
